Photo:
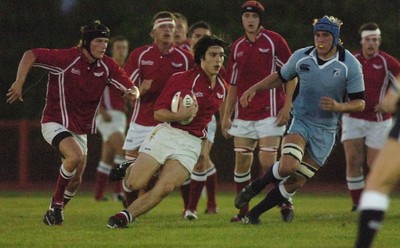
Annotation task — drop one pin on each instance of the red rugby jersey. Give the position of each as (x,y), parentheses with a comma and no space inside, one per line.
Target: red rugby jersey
(379,72)
(250,62)
(208,100)
(147,62)
(113,100)
(75,87)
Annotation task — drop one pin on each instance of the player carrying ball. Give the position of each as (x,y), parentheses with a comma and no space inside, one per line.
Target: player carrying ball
(171,147)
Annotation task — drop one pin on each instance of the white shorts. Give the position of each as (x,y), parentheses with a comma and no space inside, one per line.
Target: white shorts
(211,129)
(135,136)
(169,143)
(375,133)
(51,129)
(116,125)
(256,129)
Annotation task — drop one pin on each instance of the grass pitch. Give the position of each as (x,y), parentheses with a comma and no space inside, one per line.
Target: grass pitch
(321,220)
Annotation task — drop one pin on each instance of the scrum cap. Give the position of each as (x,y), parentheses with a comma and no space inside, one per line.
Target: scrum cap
(253,6)
(329,24)
(92,31)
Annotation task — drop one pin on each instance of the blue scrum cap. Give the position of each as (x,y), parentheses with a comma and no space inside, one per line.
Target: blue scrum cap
(329,24)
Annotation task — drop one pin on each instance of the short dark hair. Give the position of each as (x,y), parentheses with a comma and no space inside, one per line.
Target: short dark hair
(180,16)
(204,43)
(368,26)
(117,38)
(196,25)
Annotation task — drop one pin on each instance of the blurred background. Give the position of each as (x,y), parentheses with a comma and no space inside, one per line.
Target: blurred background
(25,158)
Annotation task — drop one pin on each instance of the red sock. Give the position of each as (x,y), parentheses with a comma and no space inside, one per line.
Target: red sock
(62,182)
(130,197)
(185,192)
(211,186)
(239,186)
(355,196)
(118,187)
(100,185)
(195,192)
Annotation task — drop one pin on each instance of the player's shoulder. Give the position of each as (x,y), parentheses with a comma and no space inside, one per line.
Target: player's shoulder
(307,51)
(182,52)
(238,41)
(142,49)
(271,34)
(388,57)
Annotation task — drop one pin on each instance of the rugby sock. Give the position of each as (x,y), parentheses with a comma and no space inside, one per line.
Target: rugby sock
(102,172)
(62,182)
(271,176)
(275,197)
(185,193)
(68,195)
(125,215)
(211,187)
(355,186)
(196,186)
(373,206)
(118,187)
(241,181)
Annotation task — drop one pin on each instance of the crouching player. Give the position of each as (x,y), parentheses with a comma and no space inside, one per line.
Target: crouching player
(173,148)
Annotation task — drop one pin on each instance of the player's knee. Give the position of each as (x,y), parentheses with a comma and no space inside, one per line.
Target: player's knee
(75,158)
(134,183)
(304,173)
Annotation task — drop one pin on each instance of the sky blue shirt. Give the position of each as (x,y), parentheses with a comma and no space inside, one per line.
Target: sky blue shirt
(336,78)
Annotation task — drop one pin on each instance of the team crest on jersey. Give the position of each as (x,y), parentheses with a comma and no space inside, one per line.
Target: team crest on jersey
(98,74)
(377,67)
(336,72)
(75,71)
(263,50)
(198,94)
(147,62)
(220,96)
(176,65)
(305,67)
(239,54)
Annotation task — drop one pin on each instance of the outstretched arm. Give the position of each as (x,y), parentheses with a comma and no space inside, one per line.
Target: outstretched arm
(15,91)
(270,82)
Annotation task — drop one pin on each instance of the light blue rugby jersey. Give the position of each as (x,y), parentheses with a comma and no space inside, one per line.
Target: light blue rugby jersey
(335,78)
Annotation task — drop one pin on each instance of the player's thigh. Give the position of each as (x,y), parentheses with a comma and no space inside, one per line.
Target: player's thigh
(71,150)
(173,174)
(372,154)
(385,172)
(289,163)
(141,171)
(268,149)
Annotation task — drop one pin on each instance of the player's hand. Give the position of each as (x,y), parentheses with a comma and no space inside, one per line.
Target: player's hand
(187,112)
(14,93)
(132,93)
(106,116)
(247,96)
(145,86)
(283,116)
(329,104)
(225,126)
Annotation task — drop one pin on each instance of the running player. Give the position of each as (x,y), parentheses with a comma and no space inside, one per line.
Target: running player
(254,56)
(364,133)
(327,72)
(77,79)
(171,147)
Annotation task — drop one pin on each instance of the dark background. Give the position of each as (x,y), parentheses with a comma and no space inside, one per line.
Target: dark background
(55,24)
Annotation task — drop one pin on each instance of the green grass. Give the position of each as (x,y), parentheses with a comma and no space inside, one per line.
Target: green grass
(321,220)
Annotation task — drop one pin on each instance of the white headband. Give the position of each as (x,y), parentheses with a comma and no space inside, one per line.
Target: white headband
(366,33)
(163,21)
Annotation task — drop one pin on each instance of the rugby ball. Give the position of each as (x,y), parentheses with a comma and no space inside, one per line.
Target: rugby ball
(188,98)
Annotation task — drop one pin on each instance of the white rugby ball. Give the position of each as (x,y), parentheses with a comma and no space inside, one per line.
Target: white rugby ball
(188,98)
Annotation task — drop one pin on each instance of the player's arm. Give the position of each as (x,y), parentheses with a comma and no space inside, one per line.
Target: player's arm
(26,63)
(284,113)
(229,106)
(389,102)
(183,113)
(356,103)
(272,81)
